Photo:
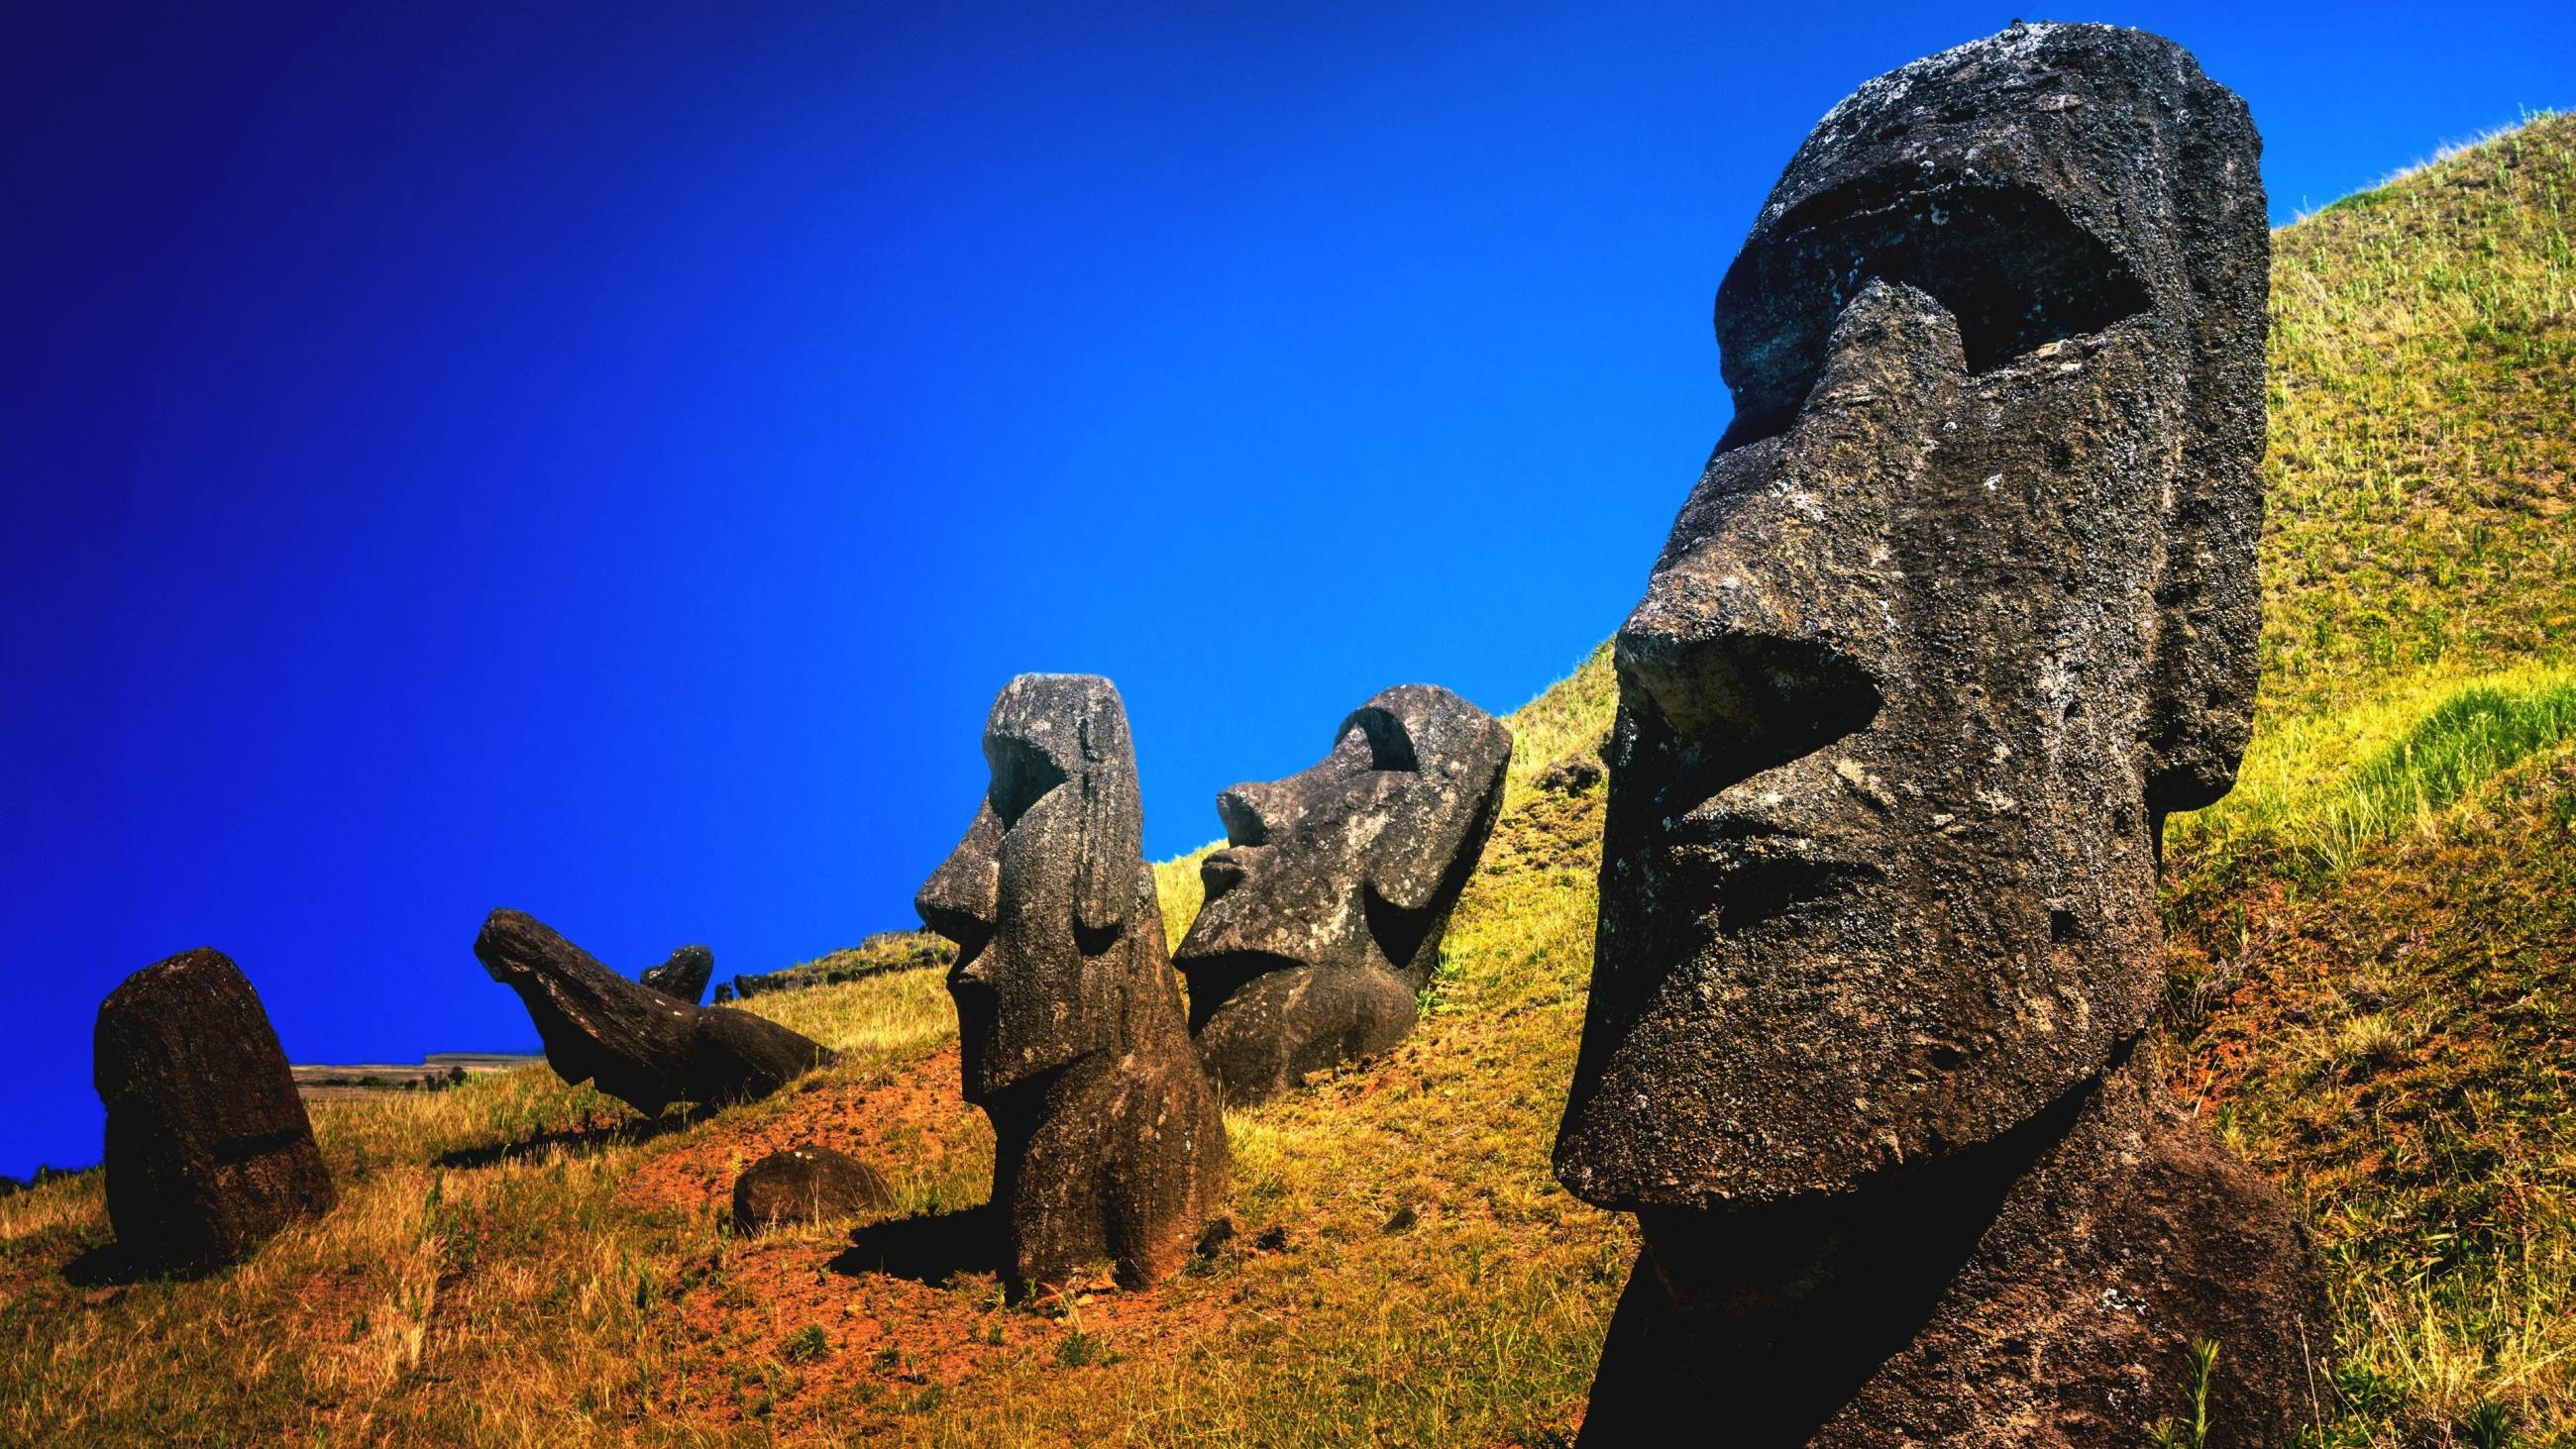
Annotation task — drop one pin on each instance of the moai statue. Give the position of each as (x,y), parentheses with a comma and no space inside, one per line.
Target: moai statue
(1963,606)
(646,1048)
(684,976)
(1110,1143)
(1325,910)
(209,1151)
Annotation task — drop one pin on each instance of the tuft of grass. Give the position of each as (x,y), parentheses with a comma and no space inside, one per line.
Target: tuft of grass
(2316,793)
(2191,1433)
(1178,887)
(805,1345)
(883,1018)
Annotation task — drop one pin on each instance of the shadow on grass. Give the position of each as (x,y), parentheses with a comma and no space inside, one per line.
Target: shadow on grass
(575,1139)
(932,1248)
(111,1265)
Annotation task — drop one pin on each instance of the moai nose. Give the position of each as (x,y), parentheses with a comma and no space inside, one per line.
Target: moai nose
(1721,648)
(961,899)
(1710,669)
(1250,812)
(1758,621)
(1728,617)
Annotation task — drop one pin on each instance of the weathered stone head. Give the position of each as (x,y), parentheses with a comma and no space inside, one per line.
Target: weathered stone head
(1047,895)
(209,1151)
(1325,910)
(684,976)
(1963,605)
(1109,1141)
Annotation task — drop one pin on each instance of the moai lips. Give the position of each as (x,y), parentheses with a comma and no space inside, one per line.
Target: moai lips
(1963,605)
(1325,911)
(1109,1143)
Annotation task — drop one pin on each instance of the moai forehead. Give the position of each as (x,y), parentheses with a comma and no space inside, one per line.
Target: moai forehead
(1964,602)
(1060,742)
(2041,185)
(1335,865)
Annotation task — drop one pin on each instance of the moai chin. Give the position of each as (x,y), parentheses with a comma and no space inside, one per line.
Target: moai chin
(1325,910)
(1963,605)
(1110,1144)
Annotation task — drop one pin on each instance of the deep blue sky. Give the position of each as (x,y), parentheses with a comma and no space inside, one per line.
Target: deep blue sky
(604,463)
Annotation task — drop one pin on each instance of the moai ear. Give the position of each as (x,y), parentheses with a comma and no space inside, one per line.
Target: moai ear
(2209,601)
(960,899)
(2207,650)
(1113,819)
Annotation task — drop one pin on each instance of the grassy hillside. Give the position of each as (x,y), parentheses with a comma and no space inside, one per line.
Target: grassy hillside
(2373,946)
(2374,938)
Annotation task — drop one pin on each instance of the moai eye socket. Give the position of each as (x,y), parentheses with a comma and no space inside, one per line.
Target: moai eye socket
(2009,264)
(1389,746)
(1022,776)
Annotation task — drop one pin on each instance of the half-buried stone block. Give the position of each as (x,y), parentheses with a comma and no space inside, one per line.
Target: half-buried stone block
(209,1150)
(806,1184)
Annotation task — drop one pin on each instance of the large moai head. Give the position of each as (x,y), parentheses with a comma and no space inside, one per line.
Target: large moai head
(1048,896)
(1353,862)
(1325,909)
(1964,603)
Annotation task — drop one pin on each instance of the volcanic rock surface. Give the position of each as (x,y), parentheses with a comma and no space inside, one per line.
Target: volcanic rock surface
(1110,1141)
(1963,605)
(1325,911)
(209,1151)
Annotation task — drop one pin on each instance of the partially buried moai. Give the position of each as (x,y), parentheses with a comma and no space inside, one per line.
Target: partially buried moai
(209,1150)
(1963,606)
(1110,1144)
(684,976)
(1325,910)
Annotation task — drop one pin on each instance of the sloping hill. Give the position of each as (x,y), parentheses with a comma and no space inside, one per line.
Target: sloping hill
(2372,962)
(2374,938)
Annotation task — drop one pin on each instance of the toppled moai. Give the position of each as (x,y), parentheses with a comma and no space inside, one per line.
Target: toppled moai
(1963,606)
(638,1045)
(209,1150)
(1325,910)
(684,976)
(1110,1142)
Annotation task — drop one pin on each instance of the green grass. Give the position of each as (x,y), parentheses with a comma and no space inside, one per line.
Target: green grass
(2374,1000)
(2324,790)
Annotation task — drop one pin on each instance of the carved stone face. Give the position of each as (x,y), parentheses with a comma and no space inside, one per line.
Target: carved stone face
(1352,862)
(1962,605)
(1041,894)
